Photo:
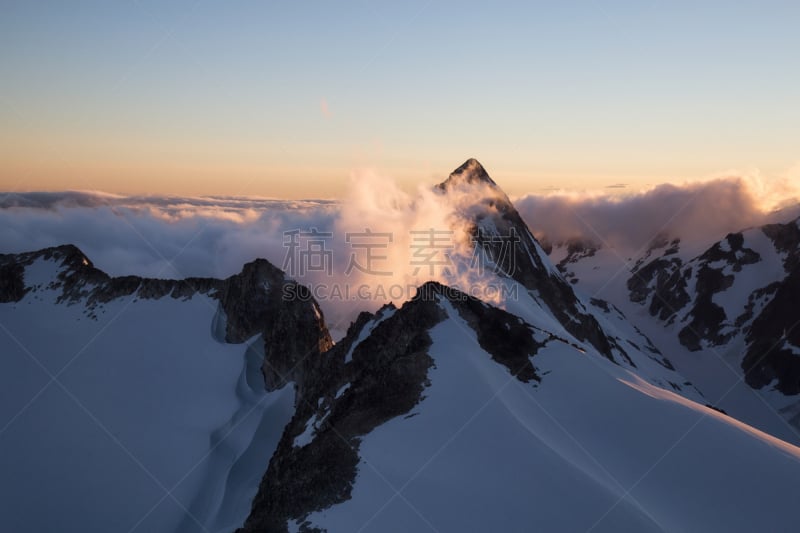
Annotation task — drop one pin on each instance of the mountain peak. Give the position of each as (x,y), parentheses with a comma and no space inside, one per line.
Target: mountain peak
(471,171)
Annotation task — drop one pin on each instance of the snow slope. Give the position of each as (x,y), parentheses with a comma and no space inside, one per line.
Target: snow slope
(137,420)
(592,447)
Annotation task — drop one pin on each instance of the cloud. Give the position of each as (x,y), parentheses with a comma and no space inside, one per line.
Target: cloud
(697,212)
(157,236)
(175,237)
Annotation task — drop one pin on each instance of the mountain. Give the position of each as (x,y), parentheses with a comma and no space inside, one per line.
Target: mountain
(537,291)
(128,401)
(134,404)
(453,415)
(737,296)
(499,231)
(725,311)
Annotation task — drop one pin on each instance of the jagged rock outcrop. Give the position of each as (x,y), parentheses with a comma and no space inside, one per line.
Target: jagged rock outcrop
(12,284)
(773,351)
(687,292)
(773,338)
(660,282)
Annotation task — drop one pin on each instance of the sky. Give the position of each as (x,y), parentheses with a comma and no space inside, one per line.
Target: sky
(289,99)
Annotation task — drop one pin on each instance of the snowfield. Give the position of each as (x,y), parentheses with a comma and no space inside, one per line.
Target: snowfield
(149,417)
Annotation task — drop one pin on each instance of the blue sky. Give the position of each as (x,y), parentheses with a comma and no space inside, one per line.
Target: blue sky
(289,98)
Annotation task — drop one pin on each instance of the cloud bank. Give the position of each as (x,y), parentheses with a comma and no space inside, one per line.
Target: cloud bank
(179,237)
(373,246)
(698,213)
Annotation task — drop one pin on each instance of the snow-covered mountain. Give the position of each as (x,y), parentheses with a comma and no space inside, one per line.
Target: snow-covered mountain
(453,415)
(537,292)
(130,404)
(134,404)
(725,311)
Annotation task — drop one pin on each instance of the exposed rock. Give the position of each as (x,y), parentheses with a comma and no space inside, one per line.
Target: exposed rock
(470,172)
(786,238)
(294,333)
(706,317)
(507,339)
(770,356)
(12,284)
(248,299)
(663,283)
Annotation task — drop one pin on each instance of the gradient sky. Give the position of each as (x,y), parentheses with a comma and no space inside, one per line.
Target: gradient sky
(286,99)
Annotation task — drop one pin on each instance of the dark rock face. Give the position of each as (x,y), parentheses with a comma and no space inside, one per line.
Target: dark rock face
(523,261)
(12,285)
(385,379)
(261,300)
(507,339)
(294,337)
(732,252)
(769,356)
(774,336)
(706,317)
(247,299)
(786,238)
(662,282)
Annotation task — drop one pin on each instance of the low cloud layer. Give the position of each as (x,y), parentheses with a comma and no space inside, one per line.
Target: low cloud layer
(174,237)
(157,236)
(698,213)
(214,236)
